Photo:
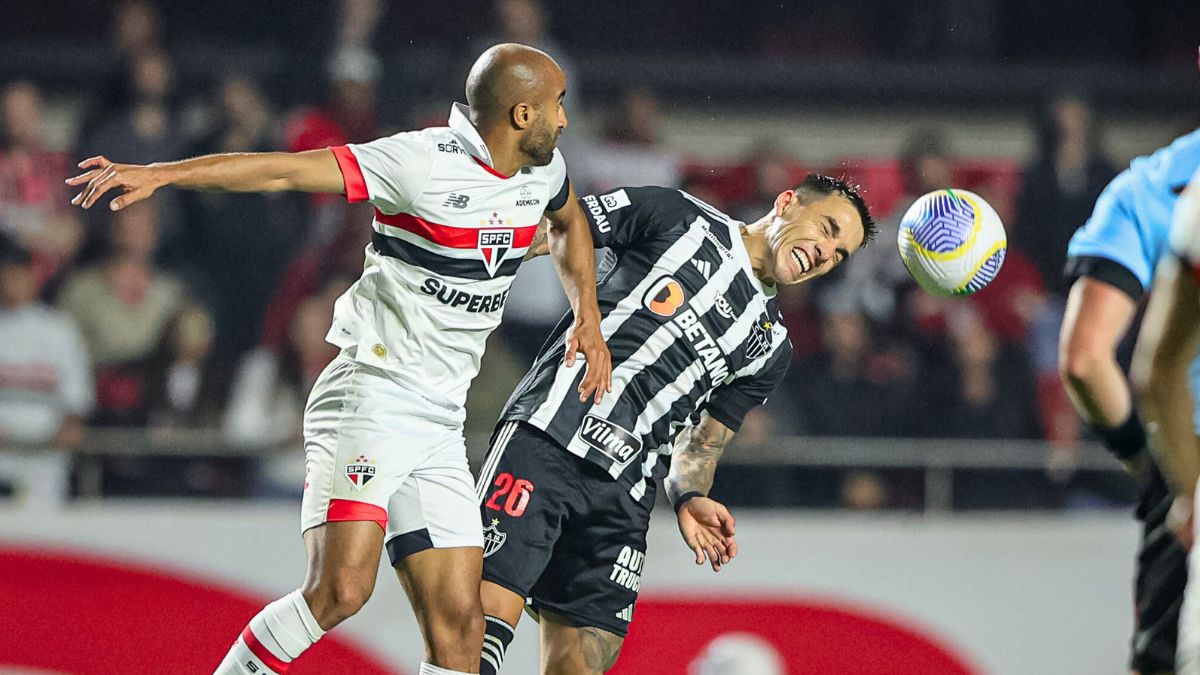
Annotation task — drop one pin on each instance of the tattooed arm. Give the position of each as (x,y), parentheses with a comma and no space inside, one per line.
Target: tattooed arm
(540,244)
(706,525)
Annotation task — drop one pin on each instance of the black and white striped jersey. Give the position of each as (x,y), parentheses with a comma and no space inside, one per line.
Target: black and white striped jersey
(689,326)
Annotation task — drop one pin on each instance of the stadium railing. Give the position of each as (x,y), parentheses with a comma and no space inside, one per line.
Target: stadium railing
(32,470)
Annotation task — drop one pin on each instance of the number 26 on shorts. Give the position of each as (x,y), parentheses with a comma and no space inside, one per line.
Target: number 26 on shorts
(517,491)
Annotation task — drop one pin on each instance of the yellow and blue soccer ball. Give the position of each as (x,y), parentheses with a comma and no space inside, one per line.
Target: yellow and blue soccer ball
(952,242)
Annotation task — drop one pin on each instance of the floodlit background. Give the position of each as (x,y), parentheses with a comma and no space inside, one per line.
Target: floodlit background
(918,497)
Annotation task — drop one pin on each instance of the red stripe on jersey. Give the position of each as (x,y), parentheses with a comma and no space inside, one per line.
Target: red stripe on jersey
(448,235)
(269,660)
(342,510)
(489,169)
(352,175)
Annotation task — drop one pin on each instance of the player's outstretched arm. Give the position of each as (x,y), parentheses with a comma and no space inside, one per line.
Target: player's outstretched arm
(706,525)
(1166,345)
(570,243)
(310,171)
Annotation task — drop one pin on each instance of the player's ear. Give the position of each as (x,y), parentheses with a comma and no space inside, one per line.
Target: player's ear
(522,115)
(783,200)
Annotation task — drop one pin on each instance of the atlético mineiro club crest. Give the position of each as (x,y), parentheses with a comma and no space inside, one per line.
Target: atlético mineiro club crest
(493,538)
(360,471)
(495,243)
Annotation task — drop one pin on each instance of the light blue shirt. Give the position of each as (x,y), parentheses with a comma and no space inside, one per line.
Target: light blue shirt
(1131,223)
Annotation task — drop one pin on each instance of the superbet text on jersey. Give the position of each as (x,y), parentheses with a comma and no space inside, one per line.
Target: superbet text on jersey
(449,234)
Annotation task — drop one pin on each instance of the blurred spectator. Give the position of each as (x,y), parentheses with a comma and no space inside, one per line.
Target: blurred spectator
(348,114)
(183,390)
(991,397)
(235,245)
(1061,187)
(124,304)
(34,203)
(268,393)
(143,130)
(524,22)
(774,171)
(136,30)
(312,272)
(46,384)
(630,150)
(847,375)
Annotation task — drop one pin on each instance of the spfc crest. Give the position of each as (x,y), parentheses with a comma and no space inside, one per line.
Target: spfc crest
(493,538)
(360,471)
(493,246)
(758,343)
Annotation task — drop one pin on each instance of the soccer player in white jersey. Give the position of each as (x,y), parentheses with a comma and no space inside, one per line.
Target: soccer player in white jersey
(456,209)
(1166,347)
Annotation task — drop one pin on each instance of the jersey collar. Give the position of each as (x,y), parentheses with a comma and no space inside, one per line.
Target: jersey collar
(460,123)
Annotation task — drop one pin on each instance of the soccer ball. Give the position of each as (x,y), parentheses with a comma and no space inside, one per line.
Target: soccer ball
(952,242)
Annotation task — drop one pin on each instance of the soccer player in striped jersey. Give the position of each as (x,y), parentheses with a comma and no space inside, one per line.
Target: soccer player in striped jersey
(1166,347)
(456,208)
(688,298)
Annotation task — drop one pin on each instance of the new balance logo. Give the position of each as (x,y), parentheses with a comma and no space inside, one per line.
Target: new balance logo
(704,266)
(456,200)
(626,614)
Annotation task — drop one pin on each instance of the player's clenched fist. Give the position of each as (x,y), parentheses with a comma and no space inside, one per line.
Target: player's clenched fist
(708,529)
(101,175)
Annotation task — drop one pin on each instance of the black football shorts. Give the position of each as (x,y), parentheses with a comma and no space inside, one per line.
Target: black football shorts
(1158,587)
(559,531)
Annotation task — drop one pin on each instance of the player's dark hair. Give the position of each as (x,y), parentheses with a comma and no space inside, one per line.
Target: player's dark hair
(818,186)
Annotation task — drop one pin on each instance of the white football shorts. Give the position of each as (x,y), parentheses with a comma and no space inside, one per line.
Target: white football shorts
(376,449)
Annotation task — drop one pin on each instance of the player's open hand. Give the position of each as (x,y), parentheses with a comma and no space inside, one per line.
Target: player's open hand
(708,529)
(1180,520)
(584,338)
(100,175)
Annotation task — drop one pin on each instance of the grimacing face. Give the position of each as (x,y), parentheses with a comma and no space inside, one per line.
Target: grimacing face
(809,240)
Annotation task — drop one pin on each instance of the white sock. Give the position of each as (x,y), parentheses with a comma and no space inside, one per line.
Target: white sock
(430,669)
(274,637)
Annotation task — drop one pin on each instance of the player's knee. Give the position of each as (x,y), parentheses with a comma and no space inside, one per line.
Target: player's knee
(457,633)
(592,651)
(338,595)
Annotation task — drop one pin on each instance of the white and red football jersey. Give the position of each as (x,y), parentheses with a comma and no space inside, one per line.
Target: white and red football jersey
(1185,226)
(449,234)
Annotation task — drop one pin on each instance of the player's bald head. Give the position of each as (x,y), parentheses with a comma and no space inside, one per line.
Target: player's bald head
(508,74)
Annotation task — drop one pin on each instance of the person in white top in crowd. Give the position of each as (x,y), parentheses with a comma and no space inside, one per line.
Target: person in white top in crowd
(456,208)
(46,387)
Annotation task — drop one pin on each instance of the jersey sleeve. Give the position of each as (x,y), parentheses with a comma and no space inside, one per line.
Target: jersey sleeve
(731,401)
(389,172)
(625,216)
(1111,246)
(559,183)
(1185,225)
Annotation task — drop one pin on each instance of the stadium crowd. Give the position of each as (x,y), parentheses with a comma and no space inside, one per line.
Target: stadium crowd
(208,311)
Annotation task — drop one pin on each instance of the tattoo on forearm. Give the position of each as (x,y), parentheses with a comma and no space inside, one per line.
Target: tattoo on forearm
(539,241)
(599,648)
(694,461)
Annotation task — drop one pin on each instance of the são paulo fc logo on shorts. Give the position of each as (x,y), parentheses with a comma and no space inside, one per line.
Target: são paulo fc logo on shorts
(360,471)
(493,538)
